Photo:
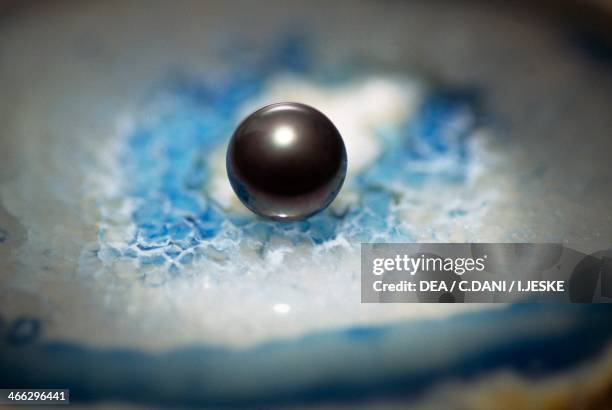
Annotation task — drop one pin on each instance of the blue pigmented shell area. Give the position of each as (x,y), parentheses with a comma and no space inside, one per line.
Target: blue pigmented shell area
(164,168)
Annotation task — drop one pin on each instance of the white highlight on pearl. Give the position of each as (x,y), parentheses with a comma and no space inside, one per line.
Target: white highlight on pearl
(284,136)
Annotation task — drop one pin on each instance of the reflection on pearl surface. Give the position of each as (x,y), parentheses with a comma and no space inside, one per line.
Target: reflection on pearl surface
(284,136)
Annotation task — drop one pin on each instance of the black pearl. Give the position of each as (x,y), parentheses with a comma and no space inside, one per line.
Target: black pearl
(286,161)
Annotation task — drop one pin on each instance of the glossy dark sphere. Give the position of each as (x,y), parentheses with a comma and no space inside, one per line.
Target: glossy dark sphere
(286,161)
